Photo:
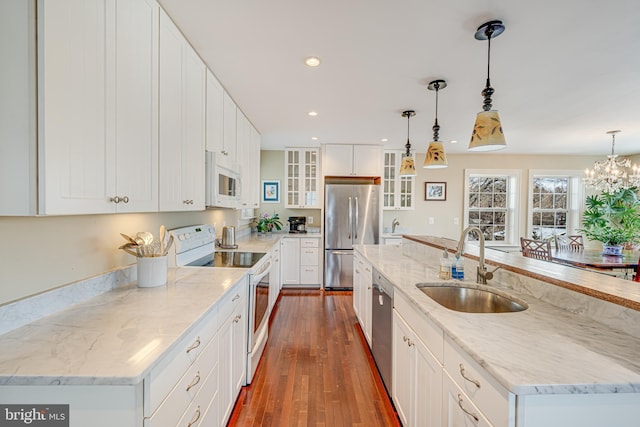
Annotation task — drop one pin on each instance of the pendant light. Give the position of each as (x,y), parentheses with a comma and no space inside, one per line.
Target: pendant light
(408,165)
(436,157)
(487,132)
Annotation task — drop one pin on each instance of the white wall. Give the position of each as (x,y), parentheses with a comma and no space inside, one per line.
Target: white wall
(42,253)
(444,212)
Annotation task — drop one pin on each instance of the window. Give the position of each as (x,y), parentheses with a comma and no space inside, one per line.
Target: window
(490,204)
(554,203)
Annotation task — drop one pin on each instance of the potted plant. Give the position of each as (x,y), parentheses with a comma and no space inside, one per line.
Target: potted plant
(613,219)
(267,223)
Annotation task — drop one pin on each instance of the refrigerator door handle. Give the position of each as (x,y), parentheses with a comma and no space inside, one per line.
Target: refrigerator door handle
(350,219)
(357,222)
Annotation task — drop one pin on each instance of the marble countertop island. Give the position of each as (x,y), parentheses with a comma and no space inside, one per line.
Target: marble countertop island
(114,338)
(542,350)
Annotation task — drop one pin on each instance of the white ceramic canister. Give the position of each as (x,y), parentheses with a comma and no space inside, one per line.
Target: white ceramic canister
(152,271)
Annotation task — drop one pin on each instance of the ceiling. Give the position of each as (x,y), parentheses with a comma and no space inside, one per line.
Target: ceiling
(564,72)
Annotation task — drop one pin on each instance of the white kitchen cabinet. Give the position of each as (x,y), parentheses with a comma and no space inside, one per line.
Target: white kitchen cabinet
(215,115)
(302,178)
(97,106)
(398,191)
(417,378)
(458,410)
(182,121)
(362,293)
(18,165)
(301,261)
(274,277)
(248,147)
(229,127)
(352,160)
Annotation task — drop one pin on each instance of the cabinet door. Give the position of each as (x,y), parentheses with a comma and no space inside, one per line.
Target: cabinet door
(427,387)
(402,370)
(243,148)
(136,104)
(239,349)
(182,122)
(274,279)
(357,289)
(367,296)
(254,178)
(225,397)
(229,130)
(215,99)
(292,173)
(309,176)
(338,160)
(367,160)
(290,261)
(398,190)
(74,79)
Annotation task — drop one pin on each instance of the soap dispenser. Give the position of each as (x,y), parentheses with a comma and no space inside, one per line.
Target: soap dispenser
(445,266)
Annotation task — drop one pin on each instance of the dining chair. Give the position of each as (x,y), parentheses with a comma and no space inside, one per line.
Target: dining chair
(538,249)
(636,277)
(575,242)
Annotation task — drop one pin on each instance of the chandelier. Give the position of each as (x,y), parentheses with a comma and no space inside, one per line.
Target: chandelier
(612,174)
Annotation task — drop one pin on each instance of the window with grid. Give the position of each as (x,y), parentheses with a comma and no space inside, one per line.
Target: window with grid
(490,204)
(549,206)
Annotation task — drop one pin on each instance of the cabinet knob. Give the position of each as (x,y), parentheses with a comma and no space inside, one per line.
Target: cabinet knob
(115,199)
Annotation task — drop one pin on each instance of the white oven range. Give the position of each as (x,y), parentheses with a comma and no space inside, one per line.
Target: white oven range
(195,247)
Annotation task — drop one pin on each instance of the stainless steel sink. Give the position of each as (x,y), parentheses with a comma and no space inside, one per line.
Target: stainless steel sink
(470,299)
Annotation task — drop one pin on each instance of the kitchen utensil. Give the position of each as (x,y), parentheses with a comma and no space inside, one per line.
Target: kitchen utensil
(163,234)
(145,237)
(169,243)
(129,238)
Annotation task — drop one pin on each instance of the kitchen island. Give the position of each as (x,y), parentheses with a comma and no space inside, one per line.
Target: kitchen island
(556,363)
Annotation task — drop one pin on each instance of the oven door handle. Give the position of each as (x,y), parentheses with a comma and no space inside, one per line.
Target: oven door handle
(264,270)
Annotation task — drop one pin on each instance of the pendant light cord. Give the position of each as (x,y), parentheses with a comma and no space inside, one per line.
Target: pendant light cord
(488,90)
(408,144)
(436,126)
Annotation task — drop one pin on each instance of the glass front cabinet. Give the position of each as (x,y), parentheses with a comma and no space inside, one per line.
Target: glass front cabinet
(301,172)
(399,191)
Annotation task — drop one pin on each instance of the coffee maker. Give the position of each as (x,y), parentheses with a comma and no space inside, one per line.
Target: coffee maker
(297,224)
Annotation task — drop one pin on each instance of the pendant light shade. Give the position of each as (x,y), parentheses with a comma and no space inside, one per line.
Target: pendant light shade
(408,165)
(436,157)
(487,132)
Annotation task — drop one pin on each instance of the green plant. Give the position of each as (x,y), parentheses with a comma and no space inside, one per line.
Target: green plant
(613,218)
(266,222)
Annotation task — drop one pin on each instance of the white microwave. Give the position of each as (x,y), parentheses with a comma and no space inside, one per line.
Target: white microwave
(222,182)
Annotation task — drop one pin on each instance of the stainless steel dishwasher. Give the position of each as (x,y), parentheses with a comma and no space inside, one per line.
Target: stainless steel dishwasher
(381,326)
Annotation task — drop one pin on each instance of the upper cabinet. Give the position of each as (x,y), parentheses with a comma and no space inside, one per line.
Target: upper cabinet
(352,160)
(248,152)
(182,121)
(399,190)
(18,168)
(97,106)
(221,120)
(229,127)
(302,179)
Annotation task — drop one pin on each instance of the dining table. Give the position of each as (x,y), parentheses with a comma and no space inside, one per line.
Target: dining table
(594,258)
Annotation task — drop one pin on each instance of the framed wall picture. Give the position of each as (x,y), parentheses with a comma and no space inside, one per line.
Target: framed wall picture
(435,191)
(271,191)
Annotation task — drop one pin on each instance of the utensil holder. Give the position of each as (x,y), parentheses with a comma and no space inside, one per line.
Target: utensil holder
(152,271)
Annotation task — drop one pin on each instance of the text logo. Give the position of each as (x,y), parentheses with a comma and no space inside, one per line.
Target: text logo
(34,415)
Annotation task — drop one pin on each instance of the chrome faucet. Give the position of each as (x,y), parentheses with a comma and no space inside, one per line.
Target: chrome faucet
(482,274)
(394,224)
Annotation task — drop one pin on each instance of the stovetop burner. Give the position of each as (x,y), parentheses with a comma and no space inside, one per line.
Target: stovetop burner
(230,259)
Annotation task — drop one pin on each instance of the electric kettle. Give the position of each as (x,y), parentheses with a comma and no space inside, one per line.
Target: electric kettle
(229,238)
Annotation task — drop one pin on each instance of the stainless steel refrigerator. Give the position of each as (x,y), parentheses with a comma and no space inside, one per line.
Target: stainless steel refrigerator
(351,217)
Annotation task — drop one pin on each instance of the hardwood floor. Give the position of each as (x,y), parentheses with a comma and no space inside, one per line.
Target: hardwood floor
(316,369)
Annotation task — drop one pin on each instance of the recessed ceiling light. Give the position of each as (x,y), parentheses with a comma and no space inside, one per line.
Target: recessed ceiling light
(315,138)
(453,141)
(312,61)
(384,140)
(312,113)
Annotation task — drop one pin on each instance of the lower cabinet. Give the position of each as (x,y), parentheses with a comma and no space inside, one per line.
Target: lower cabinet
(458,409)
(362,293)
(417,378)
(274,277)
(302,267)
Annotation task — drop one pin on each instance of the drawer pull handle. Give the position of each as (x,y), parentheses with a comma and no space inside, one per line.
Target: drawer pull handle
(195,418)
(237,319)
(466,411)
(236,297)
(195,345)
(404,338)
(195,381)
(476,382)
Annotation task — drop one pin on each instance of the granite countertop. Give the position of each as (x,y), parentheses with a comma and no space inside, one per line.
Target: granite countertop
(115,338)
(542,350)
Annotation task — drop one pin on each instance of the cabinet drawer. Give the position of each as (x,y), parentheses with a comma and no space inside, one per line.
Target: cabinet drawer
(309,256)
(165,376)
(232,299)
(428,332)
(188,387)
(458,409)
(309,275)
(488,395)
(309,243)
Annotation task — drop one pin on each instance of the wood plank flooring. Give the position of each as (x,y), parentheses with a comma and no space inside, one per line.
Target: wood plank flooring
(316,369)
